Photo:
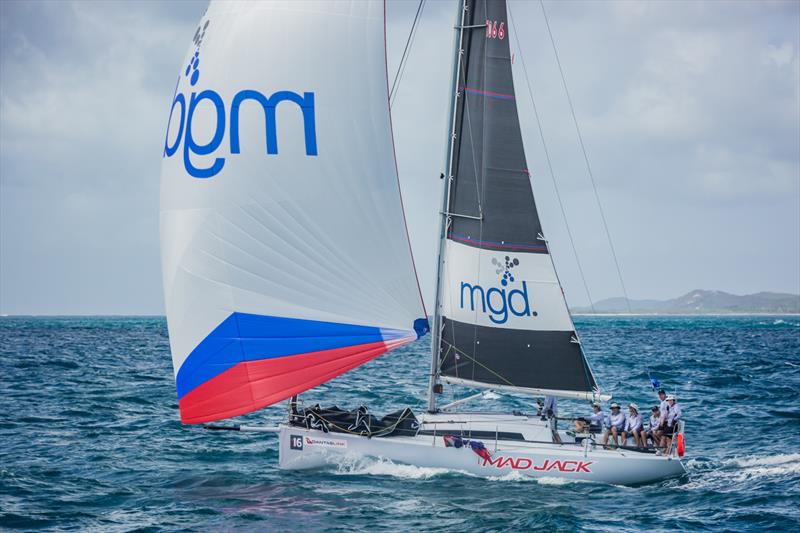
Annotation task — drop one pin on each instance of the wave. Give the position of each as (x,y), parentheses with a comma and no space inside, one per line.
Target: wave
(518,477)
(360,466)
(779,322)
(366,466)
(791,460)
(727,475)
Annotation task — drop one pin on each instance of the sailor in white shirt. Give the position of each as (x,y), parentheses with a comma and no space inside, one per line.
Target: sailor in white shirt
(663,407)
(593,423)
(663,411)
(671,423)
(616,423)
(597,418)
(655,421)
(633,425)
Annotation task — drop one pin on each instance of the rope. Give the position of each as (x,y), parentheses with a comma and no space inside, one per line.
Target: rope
(403,60)
(476,362)
(549,163)
(586,158)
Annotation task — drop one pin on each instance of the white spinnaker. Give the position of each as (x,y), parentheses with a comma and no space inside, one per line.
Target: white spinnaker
(313,237)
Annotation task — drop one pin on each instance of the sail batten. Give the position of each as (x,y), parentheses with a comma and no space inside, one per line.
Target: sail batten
(504,320)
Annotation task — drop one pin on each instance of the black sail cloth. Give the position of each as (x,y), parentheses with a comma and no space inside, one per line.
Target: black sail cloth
(493,211)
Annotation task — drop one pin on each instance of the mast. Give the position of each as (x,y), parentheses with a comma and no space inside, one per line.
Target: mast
(501,318)
(445,216)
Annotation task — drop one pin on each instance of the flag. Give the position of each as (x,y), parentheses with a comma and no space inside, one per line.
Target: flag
(453,441)
(654,382)
(478,447)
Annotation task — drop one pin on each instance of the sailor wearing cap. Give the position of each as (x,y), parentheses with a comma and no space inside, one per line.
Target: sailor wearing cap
(671,422)
(616,423)
(633,425)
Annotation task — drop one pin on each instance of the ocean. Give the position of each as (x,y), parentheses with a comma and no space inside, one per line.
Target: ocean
(90,438)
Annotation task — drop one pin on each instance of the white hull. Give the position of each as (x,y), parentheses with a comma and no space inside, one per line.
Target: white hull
(535,456)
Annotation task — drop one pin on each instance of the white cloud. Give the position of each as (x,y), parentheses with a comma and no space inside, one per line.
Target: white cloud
(690,113)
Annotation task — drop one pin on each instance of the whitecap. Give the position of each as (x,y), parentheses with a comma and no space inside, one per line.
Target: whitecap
(728,474)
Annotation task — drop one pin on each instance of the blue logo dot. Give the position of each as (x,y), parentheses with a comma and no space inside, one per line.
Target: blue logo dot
(195,77)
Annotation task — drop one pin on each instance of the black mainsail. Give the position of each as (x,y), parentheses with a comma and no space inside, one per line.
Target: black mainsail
(501,316)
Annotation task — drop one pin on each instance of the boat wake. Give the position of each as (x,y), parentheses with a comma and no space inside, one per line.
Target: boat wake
(728,475)
(517,477)
(365,466)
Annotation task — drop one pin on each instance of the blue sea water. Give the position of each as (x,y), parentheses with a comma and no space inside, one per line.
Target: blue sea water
(90,438)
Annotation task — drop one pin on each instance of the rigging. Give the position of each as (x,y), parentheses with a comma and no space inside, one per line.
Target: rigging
(404,59)
(586,158)
(549,163)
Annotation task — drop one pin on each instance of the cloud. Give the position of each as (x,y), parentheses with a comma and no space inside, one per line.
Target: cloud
(689,111)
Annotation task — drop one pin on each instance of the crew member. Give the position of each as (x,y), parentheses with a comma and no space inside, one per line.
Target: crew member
(655,421)
(633,425)
(593,421)
(663,409)
(550,410)
(671,422)
(616,423)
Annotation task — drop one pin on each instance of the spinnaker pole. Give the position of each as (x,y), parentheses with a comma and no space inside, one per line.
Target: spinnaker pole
(436,337)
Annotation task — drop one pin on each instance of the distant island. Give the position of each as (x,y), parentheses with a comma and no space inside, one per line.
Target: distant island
(702,302)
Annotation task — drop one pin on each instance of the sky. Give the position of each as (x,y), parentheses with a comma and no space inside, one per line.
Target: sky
(690,114)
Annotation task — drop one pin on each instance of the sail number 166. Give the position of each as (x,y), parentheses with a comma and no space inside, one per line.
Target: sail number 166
(493,31)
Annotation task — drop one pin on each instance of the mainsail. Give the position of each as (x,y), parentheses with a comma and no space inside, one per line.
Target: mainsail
(285,256)
(502,318)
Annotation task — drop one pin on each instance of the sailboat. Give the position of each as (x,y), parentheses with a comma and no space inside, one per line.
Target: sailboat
(287,262)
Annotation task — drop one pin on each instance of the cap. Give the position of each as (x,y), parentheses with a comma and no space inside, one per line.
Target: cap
(615,405)
(670,397)
(595,404)
(654,408)
(662,391)
(634,407)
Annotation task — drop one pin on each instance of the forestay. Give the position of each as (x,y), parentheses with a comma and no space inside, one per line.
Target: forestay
(285,256)
(505,322)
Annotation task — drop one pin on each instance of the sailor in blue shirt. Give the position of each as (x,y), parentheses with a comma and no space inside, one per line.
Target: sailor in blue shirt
(616,423)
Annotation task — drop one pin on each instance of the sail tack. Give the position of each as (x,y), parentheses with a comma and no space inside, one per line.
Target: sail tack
(285,256)
(505,322)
